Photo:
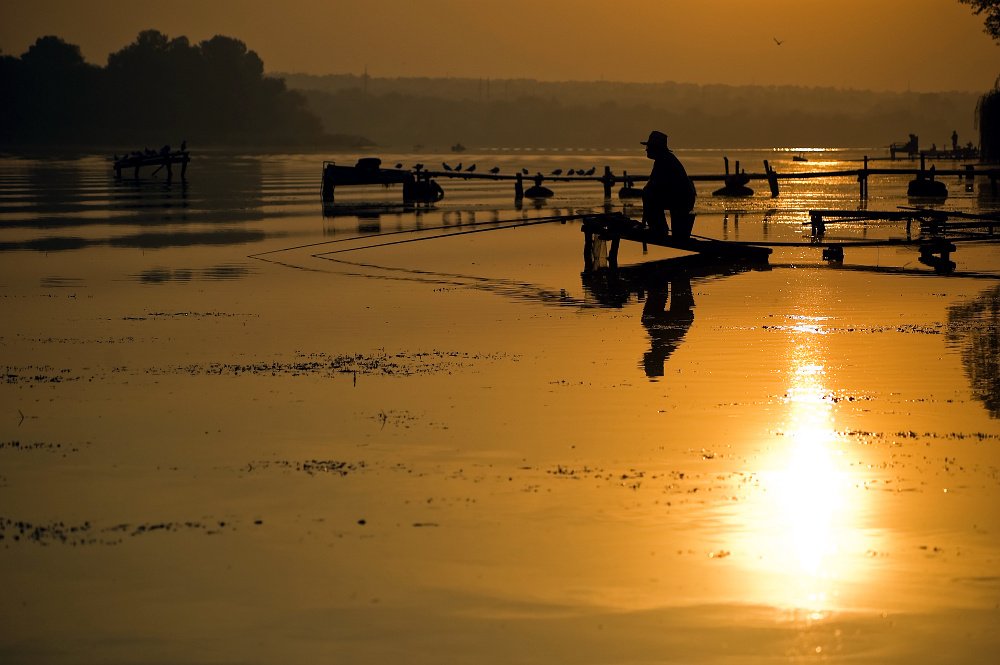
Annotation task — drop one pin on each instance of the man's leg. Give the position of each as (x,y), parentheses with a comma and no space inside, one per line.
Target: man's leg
(656,220)
(682,222)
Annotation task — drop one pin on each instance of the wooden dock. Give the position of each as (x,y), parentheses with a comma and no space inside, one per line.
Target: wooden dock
(366,172)
(615,227)
(166,160)
(936,241)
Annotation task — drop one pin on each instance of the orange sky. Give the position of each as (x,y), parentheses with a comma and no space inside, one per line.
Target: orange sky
(924,45)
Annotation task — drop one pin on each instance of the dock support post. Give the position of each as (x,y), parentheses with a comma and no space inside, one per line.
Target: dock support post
(937,254)
(170,170)
(970,178)
(608,180)
(772,179)
(518,188)
(863,180)
(184,167)
(328,184)
(588,251)
(818,227)
(613,252)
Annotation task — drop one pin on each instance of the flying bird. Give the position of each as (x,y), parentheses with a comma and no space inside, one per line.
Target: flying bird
(777,41)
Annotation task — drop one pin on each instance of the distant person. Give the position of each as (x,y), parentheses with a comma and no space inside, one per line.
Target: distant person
(668,188)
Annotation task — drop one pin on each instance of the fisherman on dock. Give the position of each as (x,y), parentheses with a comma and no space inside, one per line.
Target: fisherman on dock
(668,188)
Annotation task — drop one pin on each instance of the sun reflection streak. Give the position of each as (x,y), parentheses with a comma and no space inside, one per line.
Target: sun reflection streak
(808,529)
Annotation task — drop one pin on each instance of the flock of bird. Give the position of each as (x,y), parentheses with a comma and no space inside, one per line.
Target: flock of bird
(496,169)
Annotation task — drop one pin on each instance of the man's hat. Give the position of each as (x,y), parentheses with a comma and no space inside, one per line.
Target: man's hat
(655,138)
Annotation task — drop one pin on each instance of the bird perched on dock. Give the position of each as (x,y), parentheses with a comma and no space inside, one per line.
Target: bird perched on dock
(591,170)
(495,170)
(417,167)
(472,167)
(446,167)
(399,166)
(524,171)
(557,172)
(458,167)
(571,172)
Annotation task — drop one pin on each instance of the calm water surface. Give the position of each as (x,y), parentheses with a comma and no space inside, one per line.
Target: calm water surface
(237,426)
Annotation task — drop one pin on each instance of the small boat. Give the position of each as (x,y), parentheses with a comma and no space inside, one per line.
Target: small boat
(538,192)
(458,147)
(799,158)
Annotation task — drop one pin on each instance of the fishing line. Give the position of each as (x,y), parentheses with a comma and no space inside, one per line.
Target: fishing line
(458,233)
(552,218)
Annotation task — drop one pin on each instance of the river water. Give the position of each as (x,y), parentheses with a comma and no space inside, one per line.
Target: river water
(239,426)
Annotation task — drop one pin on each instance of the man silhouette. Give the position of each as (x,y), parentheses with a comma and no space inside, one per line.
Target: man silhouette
(668,188)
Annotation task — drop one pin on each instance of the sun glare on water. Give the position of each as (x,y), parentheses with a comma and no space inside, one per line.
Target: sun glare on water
(804,523)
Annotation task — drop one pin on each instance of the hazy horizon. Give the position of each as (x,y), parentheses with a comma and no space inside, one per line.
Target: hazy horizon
(893,45)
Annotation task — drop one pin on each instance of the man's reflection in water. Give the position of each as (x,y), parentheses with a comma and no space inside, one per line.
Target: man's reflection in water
(665,288)
(666,316)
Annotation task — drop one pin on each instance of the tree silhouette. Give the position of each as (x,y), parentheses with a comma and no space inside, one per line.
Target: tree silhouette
(992,10)
(988,108)
(153,90)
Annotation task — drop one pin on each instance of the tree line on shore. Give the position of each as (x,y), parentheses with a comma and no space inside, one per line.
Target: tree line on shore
(155,89)
(599,114)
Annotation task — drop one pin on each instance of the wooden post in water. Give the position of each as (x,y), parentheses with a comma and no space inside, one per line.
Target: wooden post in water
(518,188)
(613,252)
(772,179)
(328,184)
(863,180)
(608,180)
